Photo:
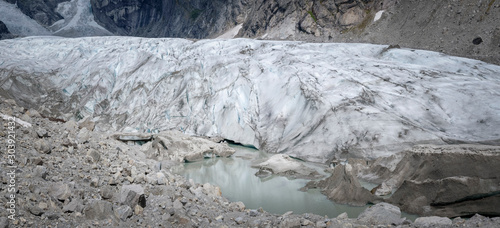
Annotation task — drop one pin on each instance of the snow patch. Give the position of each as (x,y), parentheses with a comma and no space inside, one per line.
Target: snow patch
(378,15)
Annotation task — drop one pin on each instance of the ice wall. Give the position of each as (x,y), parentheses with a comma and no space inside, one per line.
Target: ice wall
(313,101)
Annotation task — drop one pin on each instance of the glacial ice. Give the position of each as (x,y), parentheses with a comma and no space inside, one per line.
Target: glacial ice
(313,101)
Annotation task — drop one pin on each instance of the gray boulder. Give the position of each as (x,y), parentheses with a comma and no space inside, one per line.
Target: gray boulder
(87,123)
(42,133)
(40,171)
(83,135)
(130,194)
(123,212)
(99,210)
(382,214)
(432,221)
(93,155)
(60,191)
(42,146)
(290,223)
(75,205)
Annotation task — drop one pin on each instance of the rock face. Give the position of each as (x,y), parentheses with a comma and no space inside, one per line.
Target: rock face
(42,11)
(453,180)
(53,17)
(322,20)
(4,31)
(170,18)
(440,24)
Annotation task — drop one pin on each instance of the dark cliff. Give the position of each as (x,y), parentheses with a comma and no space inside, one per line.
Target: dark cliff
(168,18)
(42,11)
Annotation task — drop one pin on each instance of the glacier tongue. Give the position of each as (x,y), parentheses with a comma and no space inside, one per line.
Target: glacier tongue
(312,101)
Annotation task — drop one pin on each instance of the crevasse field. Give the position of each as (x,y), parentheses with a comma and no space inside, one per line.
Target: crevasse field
(312,101)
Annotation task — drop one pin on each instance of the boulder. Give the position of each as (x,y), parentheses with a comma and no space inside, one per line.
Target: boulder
(123,212)
(237,206)
(42,133)
(381,214)
(42,146)
(130,194)
(83,135)
(94,155)
(60,191)
(107,192)
(40,171)
(99,210)
(290,223)
(211,190)
(432,221)
(86,123)
(35,210)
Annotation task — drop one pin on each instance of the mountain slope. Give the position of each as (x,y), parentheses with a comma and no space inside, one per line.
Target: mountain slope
(313,101)
(466,28)
(56,17)
(168,18)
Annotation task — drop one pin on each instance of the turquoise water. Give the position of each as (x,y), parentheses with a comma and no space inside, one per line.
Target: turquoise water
(274,194)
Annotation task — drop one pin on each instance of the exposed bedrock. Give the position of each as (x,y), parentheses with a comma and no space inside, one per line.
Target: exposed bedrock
(42,11)
(169,18)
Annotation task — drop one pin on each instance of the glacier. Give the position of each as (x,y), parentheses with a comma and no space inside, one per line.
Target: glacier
(314,101)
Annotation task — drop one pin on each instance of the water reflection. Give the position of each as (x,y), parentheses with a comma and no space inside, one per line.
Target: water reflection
(274,194)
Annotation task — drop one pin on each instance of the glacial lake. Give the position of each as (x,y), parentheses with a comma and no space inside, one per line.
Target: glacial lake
(274,194)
